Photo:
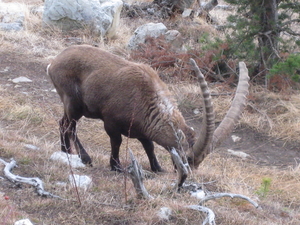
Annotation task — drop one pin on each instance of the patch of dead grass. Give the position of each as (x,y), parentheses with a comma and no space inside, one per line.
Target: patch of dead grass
(105,202)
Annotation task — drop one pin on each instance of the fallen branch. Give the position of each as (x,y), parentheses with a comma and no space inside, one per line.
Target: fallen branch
(137,176)
(34,181)
(180,166)
(221,195)
(210,219)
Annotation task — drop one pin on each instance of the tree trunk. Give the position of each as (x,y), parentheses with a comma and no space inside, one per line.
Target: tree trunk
(268,37)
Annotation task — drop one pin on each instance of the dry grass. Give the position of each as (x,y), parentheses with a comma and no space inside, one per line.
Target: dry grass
(24,119)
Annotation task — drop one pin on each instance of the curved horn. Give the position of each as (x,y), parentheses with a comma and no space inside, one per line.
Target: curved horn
(198,153)
(237,106)
(208,138)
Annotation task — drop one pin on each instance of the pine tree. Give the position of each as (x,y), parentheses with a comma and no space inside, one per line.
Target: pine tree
(262,30)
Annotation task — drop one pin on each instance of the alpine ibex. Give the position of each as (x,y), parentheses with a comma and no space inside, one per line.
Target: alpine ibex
(133,101)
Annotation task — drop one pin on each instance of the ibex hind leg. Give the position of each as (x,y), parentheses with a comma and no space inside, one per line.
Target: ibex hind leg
(64,137)
(85,158)
(68,132)
(149,148)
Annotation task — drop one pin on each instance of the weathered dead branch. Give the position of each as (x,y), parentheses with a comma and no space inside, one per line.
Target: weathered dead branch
(210,219)
(180,166)
(221,195)
(34,181)
(137,176)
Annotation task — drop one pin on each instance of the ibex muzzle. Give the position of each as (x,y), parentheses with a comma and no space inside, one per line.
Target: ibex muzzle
(131,100)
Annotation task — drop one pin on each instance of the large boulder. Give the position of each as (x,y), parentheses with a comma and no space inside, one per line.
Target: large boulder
(155,30)
(12,16)
(102,16)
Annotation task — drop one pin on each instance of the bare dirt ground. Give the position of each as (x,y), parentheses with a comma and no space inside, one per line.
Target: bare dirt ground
(263,150)
(29,114)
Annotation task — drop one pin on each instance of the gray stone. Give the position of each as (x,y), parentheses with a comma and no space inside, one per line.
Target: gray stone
(31,147)
(81,181)
(21,80)
(164,213)
(23,222)
(156,30)
(65,158)
(102,16)
(12,16)
(147,30)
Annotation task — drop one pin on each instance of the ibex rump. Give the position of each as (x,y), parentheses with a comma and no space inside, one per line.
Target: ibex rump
(131,100)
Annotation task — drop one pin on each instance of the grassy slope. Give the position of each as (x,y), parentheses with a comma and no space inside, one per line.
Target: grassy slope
(33,119)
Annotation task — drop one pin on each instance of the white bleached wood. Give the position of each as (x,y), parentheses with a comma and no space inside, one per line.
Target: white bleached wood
(221,195)
(137,176)
(34,181)
(210,219)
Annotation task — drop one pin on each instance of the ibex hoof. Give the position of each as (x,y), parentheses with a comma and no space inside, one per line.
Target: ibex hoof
(117,169)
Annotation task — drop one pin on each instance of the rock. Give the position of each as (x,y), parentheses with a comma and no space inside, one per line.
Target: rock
(21,80)
(31,147)
(11,26)
(235,138)
(155,30)
(103,16)
(147,30)
(61,184)
(37,10)
(196,111)
(12,16)
(5,70)
(175,38)
(238,153)
(65,158)
(199,194)
(81,181)
(186,13)
(164,213)
(23,222)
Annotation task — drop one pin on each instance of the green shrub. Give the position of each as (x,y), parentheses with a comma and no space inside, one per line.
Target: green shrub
(265,187)
(289,67)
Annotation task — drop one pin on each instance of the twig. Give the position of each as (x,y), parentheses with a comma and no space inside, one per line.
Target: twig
(137,176)
(221,195)
(34,181)
(262,113)
(210,219)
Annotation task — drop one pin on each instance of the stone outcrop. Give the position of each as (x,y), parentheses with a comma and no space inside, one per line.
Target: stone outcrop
(155,30)
(102,16)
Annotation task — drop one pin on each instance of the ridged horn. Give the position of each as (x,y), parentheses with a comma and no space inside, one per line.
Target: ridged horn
(237,107)
(203,142)
(210,138)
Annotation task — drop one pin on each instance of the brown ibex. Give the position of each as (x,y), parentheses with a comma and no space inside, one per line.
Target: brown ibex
(133,101)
